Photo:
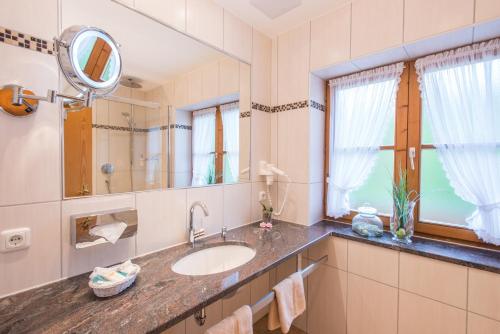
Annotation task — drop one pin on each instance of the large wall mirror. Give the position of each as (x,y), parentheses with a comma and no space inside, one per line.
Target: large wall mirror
(180,116)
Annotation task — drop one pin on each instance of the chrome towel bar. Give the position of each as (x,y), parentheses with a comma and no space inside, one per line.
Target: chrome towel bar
(267,299)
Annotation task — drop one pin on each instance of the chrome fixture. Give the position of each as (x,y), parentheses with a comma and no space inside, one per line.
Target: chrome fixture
(200,317)
(81,58)
(223,233)
(193,234)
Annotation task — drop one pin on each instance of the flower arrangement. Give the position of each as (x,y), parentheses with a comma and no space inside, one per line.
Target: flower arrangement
(267,214)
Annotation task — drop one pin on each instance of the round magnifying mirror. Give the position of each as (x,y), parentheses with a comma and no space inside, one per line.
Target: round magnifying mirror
(90,60)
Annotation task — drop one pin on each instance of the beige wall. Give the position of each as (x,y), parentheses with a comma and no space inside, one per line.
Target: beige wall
(31,149)
(370,289)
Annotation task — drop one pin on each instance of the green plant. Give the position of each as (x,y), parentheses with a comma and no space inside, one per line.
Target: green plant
(404,201)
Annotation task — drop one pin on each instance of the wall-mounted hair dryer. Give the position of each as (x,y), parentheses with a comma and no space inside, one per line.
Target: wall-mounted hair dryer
(268,170)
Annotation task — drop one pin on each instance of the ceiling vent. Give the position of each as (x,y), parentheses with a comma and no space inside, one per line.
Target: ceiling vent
(275,8)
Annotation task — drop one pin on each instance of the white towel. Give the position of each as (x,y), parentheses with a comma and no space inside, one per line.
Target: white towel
(289,303)
(111,232)
(240,322)
(114,274)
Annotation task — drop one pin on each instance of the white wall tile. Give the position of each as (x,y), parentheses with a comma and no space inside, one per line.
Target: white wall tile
(77,261)
(237,37)
(293,144)
(237,207)
(41,262)
(327,301)
(438,280)
(296,208)
(484,293)
(38,18)
(376,25)
(257,187)
(260,141)
(317,132)
(293,65)
(376,263)
(331,38)
(487,10)
(30,169)
(171,12)
(213,196)
(261,68)
(214,315)
(162,219)
(440,16)
(477,324)
(205,21)
(259,287)
(419,315)
(316,206)
(233,302)
(371,307)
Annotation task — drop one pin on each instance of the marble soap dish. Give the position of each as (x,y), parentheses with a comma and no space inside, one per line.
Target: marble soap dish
(107,282)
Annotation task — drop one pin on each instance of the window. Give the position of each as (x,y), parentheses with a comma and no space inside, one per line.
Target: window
(451,131)
(215,151)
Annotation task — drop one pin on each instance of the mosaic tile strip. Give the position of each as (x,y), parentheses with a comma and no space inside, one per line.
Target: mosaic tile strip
(181,126)
(317,105)
(143,130)
(26,41)
(290,106)
(261,107)
(245,114)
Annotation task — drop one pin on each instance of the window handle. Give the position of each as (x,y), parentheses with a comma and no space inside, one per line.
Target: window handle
(412,153)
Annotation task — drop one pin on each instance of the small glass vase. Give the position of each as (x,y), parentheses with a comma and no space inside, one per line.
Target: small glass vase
(402,224)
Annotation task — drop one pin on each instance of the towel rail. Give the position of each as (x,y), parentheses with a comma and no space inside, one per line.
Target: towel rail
(267,299)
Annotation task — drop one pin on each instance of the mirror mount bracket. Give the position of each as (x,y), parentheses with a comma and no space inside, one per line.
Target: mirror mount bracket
(17,101)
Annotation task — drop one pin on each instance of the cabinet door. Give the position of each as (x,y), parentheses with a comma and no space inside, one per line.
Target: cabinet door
(376,26)
(425,18)
(171,12)
(205,21)
(331,38)
(237,37)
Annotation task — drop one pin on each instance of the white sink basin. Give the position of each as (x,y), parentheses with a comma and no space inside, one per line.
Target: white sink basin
(213,260)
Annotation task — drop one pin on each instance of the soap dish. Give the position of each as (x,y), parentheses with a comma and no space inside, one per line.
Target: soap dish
(114,288)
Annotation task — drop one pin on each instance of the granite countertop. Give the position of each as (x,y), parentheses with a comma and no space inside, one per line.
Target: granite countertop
(160,298)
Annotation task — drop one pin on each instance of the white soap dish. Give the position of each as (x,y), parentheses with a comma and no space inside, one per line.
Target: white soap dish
(108,289)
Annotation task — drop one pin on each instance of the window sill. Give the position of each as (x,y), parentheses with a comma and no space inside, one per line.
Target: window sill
(461,254)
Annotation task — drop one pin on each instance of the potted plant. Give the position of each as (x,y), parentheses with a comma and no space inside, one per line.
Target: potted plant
(402,225)
(267,213)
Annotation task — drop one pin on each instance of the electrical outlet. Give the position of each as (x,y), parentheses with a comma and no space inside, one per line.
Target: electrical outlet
(15,239)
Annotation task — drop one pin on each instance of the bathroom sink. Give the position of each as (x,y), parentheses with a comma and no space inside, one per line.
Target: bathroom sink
(214,259)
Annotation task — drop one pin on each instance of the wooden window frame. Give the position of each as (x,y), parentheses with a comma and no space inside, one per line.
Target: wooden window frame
(408,124)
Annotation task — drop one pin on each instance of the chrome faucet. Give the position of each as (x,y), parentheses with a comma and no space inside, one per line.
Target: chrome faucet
(193,234)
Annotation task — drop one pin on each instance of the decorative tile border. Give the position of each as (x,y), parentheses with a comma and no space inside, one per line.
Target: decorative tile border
(290,106)
(143,130)
(316,105)
(261,107)
(26,41)
(245,114)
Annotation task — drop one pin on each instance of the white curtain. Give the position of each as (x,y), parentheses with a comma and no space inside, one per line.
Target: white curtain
(203,147)
(361,107)
(231,140)
(461,93)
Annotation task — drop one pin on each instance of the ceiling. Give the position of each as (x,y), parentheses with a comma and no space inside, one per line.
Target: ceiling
(153,53)
(304,12)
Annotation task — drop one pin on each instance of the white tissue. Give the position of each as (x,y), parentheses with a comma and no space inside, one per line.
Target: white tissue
(110,232)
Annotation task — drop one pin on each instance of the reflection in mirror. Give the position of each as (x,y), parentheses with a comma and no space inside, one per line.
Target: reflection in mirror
(180,116)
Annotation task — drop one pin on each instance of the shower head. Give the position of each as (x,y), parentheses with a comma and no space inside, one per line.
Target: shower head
(130,82)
